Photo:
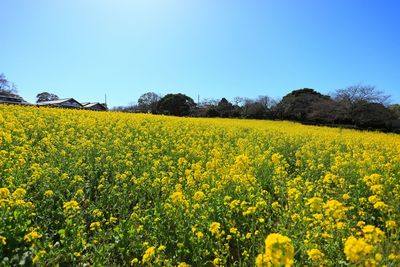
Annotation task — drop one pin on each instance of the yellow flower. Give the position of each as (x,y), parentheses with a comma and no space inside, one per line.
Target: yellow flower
(94,226)
(242,161)
(345,196)
(360,223)
(4,193)
(199,235)
(372,179)
(161,248)
(217,262)
(378,256)
(377,189)
(249,211)
(279,251)
(262,261)
(2,240)
(335,209)
(318,216)
(233,230)
(214,228)
(30,237)
(356,250)
(177,197)
(391,225)
(71,206)
(38,256)
(380,205)
(198,196)
(315,204)
(373,199)
(79,192)
(49,193)
(113,219)
(148,254)
(19,193)
(315,254)
(97,213)
(134,261)
(183,264)
(373,234)
(275,206)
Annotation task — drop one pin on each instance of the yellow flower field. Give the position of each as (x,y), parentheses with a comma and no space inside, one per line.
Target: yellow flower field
(96,188)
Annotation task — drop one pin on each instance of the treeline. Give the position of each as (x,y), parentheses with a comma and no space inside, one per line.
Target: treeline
(359,107)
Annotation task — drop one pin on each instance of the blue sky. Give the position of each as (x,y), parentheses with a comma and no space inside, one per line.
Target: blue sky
(212,48)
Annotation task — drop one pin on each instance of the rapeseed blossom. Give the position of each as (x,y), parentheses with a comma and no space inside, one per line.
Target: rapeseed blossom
(214,228)
(31,236)
(357,250)
(148,254)
(71,206)
(198,196)
(279,251)
(315,255)
(201,191)
(3,240)
(19,193)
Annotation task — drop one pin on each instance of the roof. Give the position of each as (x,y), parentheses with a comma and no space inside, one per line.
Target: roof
(88,104)
(10,96)
(58,101)
(12,99)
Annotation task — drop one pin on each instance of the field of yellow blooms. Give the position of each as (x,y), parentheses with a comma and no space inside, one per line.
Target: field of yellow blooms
(97,188)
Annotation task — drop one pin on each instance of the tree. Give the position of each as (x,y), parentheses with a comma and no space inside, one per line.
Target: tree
(254,110)
(298,104)
(258,108)
(7,88)
(325,111)
(176,105)
(148,102)
(354,99)
(356,93)
(372,115)
(239,101)
(225,108)
(396,110)
(45,96)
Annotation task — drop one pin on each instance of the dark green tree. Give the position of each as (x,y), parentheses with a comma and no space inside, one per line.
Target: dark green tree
(176,105)
(224,108)
(372,115)
(298,104)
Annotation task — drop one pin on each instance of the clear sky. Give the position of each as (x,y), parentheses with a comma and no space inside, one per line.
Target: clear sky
(212,48)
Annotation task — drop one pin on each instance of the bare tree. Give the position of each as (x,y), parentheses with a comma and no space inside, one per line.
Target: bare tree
(361,93)
(209,102)
(148,102)
(362,105)
(239,101)
(265,100)
(6,87)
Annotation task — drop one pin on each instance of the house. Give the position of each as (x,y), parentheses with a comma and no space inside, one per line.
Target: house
(61,103)
(12,99)
(94,106)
